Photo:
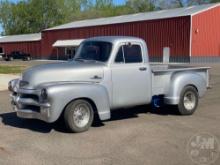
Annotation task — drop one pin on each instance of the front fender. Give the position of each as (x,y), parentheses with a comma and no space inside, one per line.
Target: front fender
(60,94)
(181,80)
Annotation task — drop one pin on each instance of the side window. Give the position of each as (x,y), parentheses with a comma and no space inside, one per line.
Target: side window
(120,57)
(132,53)
(129,54)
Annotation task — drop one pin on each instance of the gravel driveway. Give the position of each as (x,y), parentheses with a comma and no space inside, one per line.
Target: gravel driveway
(133,136)
(4,79)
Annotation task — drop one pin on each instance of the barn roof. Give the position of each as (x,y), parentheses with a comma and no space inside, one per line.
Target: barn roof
(162,14)
(21,38)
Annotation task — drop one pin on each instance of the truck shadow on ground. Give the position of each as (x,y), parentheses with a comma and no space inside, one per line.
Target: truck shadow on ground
(10,119)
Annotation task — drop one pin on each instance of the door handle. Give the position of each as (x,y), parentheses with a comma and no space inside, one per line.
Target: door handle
(142,68)
(96,77)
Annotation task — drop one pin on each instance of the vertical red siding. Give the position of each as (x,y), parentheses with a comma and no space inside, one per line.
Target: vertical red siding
(173,33)
(33,47)
(206,33)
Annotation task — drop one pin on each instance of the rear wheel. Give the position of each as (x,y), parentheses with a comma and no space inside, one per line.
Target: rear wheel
(188,101)
(78,116)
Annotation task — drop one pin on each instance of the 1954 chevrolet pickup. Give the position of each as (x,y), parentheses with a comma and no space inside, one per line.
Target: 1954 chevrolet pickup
(107,73)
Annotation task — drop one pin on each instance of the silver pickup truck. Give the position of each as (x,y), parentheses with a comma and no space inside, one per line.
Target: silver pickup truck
(107,73)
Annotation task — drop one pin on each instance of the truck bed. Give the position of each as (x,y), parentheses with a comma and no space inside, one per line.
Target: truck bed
(174,67)
(162,75)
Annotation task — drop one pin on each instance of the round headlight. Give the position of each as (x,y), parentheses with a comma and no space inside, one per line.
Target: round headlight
(44,94)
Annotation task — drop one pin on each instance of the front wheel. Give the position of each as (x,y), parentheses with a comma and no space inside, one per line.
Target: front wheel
(78,116)
(188,101)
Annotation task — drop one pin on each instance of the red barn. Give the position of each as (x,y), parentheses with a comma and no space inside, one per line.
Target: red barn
(192,33)
(28,43)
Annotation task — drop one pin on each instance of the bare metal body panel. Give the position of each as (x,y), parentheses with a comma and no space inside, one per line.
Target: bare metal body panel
(108,85)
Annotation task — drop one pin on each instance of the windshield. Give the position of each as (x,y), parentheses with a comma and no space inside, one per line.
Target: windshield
(94,50)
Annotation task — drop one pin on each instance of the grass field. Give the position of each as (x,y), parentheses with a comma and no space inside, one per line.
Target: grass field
(6,69)
(18,66)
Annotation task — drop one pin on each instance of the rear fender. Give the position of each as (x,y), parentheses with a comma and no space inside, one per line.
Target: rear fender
(179,81)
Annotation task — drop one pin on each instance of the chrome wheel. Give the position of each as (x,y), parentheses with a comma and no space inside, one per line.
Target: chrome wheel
(81,115)
(78,115)
(189,100)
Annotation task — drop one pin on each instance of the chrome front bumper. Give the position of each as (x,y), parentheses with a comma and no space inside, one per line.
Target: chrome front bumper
(27,104)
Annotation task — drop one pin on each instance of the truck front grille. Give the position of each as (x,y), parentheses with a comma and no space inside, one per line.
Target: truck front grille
(32,107)
(30,96)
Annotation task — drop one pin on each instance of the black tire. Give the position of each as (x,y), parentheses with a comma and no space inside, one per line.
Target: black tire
(70,112)
(191,97)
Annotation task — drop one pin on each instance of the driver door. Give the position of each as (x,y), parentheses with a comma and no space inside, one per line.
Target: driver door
(130,81)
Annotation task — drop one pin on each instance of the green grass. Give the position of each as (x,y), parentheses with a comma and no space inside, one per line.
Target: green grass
(11,69)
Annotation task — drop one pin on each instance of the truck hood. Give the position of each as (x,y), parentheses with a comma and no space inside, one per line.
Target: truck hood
(73,71)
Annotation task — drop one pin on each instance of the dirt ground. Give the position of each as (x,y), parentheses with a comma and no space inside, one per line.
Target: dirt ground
(139,135)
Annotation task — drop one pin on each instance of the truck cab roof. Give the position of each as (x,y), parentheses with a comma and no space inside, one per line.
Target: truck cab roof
(114,39)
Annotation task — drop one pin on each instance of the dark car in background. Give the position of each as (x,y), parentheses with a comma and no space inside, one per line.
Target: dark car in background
(17,55)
